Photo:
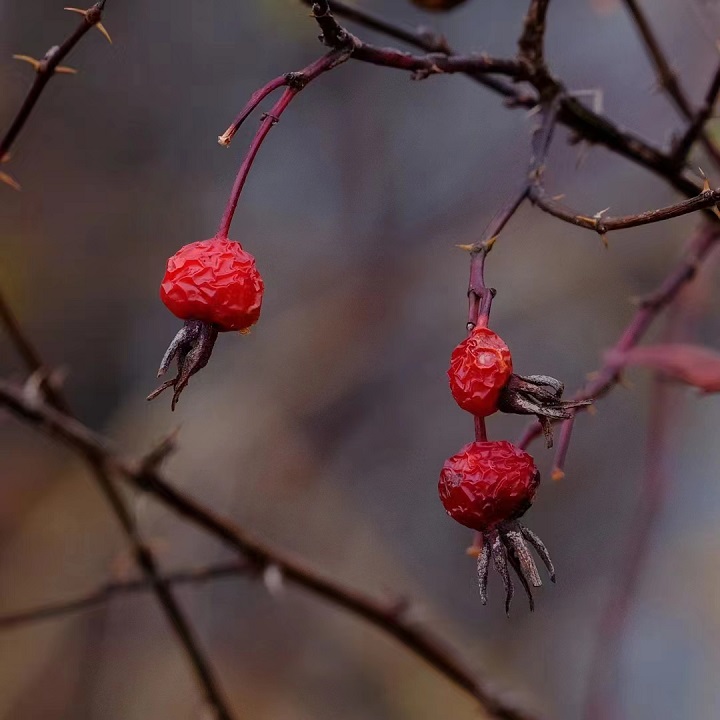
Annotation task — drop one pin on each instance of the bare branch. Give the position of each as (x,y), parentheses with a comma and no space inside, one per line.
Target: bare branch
(141,552)
(589,126)
(668,80)
(601,224)
(697,126)
(531,43)
(113,589)
(46,68)
(383,615)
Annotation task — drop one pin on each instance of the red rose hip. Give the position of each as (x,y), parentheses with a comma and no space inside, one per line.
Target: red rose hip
(214,281)
(480,367)
(488,483)
(487,486)
(214,286)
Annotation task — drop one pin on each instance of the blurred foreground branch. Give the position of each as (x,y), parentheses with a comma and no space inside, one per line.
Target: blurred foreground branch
(116,588)
(386,616)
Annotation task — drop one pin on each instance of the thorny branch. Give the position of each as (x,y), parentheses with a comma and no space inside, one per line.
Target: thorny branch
(533,35)
(668,80)
(587,124)
(143,555)
(707,200)
(46,68)
(386,616)
(696,129)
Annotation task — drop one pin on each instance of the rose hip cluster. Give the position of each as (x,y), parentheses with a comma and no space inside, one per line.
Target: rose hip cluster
(214,286)
(488,486)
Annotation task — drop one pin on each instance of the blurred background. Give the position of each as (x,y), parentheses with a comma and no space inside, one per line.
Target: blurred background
(323,430)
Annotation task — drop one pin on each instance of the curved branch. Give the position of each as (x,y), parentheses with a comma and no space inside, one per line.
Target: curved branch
(46,68)
(706,200)
(385,616)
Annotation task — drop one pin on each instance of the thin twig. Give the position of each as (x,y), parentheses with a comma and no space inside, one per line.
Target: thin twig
(587,124)
(113,589)
(385,616)
(45,69)
(423,39)
(668,80)
(700,119)
(601,224)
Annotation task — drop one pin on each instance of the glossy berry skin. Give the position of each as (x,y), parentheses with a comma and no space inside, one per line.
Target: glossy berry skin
(480,366)
(214,281)
(487,484)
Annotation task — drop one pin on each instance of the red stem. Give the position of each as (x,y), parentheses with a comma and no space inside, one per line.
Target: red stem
(270,119)
(294,82)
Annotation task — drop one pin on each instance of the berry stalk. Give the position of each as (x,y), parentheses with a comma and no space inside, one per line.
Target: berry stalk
(293,82)
(267,124)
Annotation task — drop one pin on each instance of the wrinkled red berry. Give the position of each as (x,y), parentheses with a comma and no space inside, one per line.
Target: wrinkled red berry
(487,484)
(214,281)
(480,366)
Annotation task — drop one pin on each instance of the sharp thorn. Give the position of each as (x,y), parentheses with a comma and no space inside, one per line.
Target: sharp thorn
(30,60)
(104,32)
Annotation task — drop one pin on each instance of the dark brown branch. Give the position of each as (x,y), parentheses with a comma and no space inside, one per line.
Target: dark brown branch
(385,616)
(668,80)
(45,69)
(110,590)
(601,224)
(531,42)
(588,125)
(423,39)
(141,552)
(650,307)
(696,127)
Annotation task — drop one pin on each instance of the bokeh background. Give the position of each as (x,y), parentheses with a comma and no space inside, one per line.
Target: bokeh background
(324,429)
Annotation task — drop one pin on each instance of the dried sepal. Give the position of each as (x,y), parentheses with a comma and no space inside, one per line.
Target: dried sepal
(507,547)
(192,347)
(538,395)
